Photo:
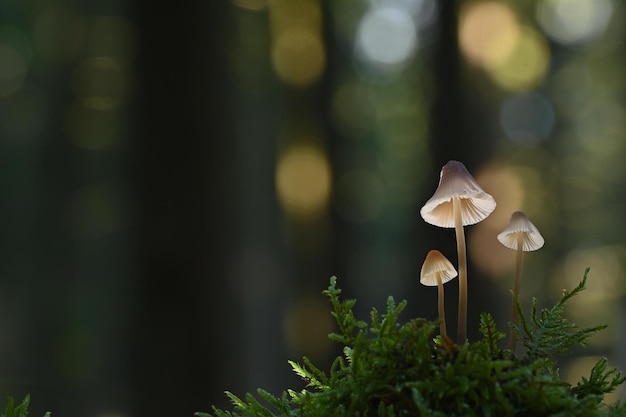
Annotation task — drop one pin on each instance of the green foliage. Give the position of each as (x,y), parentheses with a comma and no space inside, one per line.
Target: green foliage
(391,369)
(20,410)
(549,333)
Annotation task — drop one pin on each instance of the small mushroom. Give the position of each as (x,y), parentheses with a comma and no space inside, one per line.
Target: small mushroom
(437,270)
(522,236)
(457,202)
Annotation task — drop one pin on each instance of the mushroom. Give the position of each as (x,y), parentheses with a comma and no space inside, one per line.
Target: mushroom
(437,270)
(522,236)
(458,201)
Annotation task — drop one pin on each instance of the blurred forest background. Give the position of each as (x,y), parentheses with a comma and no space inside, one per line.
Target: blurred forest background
(178,181)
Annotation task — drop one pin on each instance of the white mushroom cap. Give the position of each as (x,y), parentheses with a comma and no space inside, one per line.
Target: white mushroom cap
(519,224)
(455,181)
(436,264)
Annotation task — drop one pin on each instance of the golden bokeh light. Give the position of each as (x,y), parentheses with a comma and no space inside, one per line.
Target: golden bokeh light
(506,187)
(298,53)
(100,83)
(93,129)
(526,66)
(504,183)
(488,32)
(306,326)
(287,15)
(581,367)
(604,288)
(112,36)
(606,276)
(303,181)
(298,57)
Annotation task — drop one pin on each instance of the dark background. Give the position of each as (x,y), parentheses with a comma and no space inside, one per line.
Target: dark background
(179,181)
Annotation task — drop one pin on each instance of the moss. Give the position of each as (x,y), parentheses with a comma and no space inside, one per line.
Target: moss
(389,369)
(19,410)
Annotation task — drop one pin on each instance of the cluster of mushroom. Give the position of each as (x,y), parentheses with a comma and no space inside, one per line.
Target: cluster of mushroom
(459,201)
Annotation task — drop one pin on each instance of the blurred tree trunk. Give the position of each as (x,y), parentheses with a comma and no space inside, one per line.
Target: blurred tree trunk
(462,130)
(185,183)
(463,124)
(446,140)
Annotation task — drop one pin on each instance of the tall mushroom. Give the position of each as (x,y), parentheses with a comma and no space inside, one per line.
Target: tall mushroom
(522,236)
(458,201)
(437,270)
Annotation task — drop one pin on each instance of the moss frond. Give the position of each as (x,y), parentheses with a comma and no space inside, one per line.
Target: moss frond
(19,410)
(548,332)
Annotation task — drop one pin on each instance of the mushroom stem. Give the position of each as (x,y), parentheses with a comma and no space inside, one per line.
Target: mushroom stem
(437,270)
(442,312)
(516,284)
(460,247)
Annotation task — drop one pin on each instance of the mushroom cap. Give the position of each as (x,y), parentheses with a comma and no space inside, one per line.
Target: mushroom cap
(435,263)
(455,181)
(519,224)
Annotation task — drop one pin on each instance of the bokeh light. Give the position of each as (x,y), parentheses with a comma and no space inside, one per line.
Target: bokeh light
(607,280)
(303,181)
(580,367)
(298,54)
(298,57)
(507,188)
(515,56)
(306,326)
(573,22)
(114,37)
(95,129)
(488,32)
(423,12)
(604,290)
(291,14)
(527,119)
(101,83)
(386,35)
(525,66)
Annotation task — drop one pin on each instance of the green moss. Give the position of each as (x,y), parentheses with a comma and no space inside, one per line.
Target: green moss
(19,410)
(389,368)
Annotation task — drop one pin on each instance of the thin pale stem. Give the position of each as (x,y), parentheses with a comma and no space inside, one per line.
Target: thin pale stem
(460,247)
(516,284)
(442,312)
